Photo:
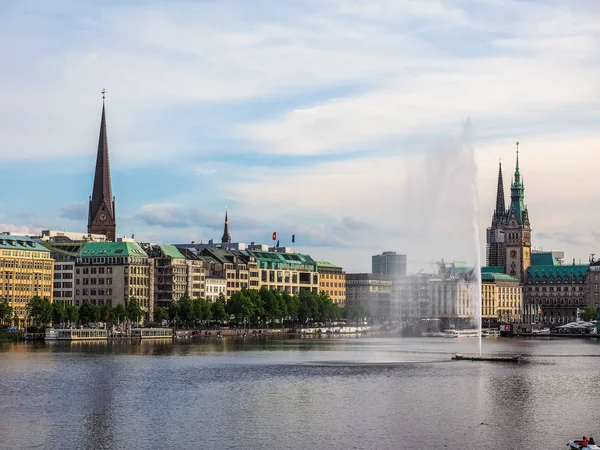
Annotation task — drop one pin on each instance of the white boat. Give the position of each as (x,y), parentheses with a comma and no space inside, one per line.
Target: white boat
(460,333)
(575,444)
(75,334)
(152,333)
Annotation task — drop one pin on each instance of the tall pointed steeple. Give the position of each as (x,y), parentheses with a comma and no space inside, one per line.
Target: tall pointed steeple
(226,239)
(517,193)
(101,218)
(500,211)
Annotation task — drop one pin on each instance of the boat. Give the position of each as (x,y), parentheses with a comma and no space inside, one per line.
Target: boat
(460,333)
(490,333)
(152,333)
(575,444)
(75,334)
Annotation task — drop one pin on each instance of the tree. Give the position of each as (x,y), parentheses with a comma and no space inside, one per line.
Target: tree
(107,314)
(72,314)
(40,310)
(271,304)
(6,311)
(89,313)
(218,311)
(240,306)
(59,312)
(174,313)
(160,314)
(588,314)
(120,313)
(134,310)
(186,310)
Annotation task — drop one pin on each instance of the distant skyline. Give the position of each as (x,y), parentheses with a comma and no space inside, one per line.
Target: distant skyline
(339,121)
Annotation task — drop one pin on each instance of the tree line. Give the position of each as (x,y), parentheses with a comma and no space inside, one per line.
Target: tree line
(247,307)
(250,307)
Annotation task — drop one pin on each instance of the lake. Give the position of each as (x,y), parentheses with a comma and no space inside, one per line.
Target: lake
(310,393)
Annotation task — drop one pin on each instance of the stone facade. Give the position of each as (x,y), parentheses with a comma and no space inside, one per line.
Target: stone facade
(332,281)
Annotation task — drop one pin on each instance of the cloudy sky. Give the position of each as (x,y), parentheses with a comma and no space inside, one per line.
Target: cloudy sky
(357,126)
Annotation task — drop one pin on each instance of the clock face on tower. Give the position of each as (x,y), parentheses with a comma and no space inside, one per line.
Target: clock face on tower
(102,217)
(513,253)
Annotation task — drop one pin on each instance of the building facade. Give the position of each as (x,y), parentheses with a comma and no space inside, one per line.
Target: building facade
(112,273)
(495,251)
(501,299)
(332,281)
(390,264)
(170,273)
(289,272)
(371,293)
(214,288)
(452,300)
(26,271)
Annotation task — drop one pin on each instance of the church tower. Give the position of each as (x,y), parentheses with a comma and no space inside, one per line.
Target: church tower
(101,216)
(226,239)
(517,230)
(495,251)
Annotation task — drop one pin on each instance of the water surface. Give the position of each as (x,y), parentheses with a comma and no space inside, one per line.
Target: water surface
(338,393)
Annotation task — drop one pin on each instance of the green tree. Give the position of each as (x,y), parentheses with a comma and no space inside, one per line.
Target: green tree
(107,314)
(72,314)
(39,310)
(174,313)
(120,313)
(134,310)
(187,314)
(240,305)
(6,311)
(218,311)
(271,304)
(59,312)
(206,310)
(588,314)
(89,313)
(160,314)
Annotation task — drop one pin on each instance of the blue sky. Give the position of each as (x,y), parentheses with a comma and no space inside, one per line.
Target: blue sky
(341,121)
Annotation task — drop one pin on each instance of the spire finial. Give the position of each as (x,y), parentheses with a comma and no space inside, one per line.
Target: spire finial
(103,93)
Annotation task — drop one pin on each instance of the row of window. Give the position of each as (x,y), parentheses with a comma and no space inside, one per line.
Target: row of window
(15,264)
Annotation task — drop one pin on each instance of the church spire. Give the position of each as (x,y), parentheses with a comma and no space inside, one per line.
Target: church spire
(101,219)
(517,193)
(226,239)
(500,210)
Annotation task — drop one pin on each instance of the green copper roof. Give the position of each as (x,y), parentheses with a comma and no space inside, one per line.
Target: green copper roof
(10,242)
(102,249)
(553,272)
(276,257)
(492,269)
(543,259)
(327,264)
(491,276)
(517,194)
(171,251)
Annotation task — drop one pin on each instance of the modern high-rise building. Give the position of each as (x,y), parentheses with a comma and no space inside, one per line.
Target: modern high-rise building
(390,264)
(101,216)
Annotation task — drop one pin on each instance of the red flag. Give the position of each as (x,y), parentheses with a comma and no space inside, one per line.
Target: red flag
(274,235)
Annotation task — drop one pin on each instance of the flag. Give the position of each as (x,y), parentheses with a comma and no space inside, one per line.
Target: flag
(274,235)
(293,238)
(277,245)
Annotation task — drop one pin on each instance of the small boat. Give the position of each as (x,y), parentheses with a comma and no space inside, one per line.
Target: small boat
(460,357)
(576,444)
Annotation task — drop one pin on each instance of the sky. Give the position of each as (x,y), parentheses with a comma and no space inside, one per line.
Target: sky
(359,127)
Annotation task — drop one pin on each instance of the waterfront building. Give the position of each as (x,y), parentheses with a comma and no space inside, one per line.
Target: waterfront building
(111,273)
(501,299)
(370,293)
(196,270)
(26,270)
(289,272)
(452,299)
(239,268)
(170,273)
(390,264)
(214,288)
(411,296)
(332,281)
(555,293)
(101,215)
